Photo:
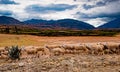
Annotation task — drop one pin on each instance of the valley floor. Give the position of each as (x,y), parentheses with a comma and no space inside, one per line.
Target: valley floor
(29,40)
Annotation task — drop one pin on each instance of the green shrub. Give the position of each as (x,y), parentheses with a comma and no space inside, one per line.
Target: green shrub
(14,52)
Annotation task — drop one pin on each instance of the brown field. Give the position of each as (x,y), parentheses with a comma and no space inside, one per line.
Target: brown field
(26,40)
(34,58)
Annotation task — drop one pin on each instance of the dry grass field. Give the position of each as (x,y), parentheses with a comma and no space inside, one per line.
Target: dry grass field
(26,40)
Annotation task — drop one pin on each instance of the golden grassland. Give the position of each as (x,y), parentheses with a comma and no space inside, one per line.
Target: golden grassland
(20,40)
(28,40)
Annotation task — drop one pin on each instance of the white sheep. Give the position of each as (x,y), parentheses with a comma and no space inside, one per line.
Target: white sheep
(46,51)
(95,48)
(58,51)
(52,46)
(68,47)
(31,51)
(2,49)
(4,56)
(81,47)
(112,47)
(40,53)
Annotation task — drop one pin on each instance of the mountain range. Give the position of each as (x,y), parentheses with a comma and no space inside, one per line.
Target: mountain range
(111,25)
(58,24)
(63,23)
(8,20)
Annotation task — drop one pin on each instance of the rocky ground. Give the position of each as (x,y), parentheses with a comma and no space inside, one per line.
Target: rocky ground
(64,63)
(86,57)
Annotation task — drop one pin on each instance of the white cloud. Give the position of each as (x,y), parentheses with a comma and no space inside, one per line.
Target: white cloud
(108,9)
(98,21)
(92,15)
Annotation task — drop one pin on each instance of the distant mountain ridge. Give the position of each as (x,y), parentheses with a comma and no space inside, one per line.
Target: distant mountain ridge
(9,20)
(112,24)
(35,21)
(56,24)
(63,23)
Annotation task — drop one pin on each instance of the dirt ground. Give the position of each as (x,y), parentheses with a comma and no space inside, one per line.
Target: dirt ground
(67,63)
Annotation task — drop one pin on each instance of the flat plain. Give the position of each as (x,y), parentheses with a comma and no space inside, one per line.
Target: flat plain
(30,40)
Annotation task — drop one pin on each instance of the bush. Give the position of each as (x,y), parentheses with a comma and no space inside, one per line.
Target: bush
(14,53)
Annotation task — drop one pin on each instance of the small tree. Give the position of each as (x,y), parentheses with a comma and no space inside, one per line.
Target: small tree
(14,52)
(16,30)
(7,30)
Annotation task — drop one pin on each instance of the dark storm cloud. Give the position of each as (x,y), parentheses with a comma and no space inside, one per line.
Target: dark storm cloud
(110,0)
(102,8)
(98,4)
(85,6)
(83,15)
(49,8)
(5,13)
(7,2)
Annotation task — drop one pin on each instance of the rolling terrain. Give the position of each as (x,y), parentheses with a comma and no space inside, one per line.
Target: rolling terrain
(63,23)
(114,24)
(58,24)
(4,20)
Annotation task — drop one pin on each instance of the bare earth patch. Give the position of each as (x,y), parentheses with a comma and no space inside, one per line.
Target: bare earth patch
(67,63)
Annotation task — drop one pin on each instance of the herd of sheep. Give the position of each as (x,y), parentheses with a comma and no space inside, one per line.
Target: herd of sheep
(56,50)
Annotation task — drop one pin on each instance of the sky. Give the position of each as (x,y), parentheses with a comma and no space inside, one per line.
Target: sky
(94,12)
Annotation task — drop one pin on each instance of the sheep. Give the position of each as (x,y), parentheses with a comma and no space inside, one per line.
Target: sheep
(5,52)
(52,46)
(2,49)
(4,56)
(58,51)
(46,51)
(112,47)
(29,47)
(81,48)
(75,48)
(0,57)
(98,49)
(68,46)
(24,54)
(95,48)
(40,48)
(75,52)
(67,51)
(39,53)
(31,51)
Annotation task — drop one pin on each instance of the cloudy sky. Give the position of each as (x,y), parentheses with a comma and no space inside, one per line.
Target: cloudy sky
(95,12)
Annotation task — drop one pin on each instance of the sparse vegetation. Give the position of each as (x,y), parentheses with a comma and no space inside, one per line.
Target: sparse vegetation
(55,32)
(14,53)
